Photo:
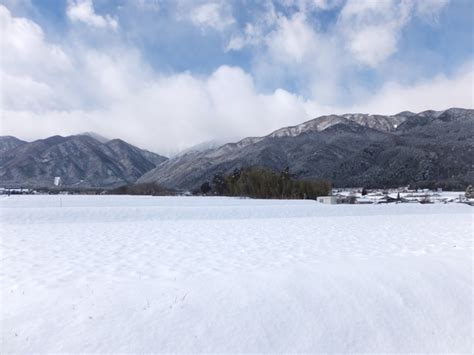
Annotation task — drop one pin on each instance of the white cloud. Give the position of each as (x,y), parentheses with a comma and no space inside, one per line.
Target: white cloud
(325,4)
(430,10)
(172,112)
(311,5)
(373,44)
(18,92)
(369,31)
(236,43)
(295,52)
(26,64)
(114,92)
(83,11)
(212,15)
(24,50)
(292,40)
(372,29)
(323,61)
(254,33)
(150,5)
(437,93)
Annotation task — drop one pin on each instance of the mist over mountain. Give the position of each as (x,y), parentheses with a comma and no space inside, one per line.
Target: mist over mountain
(426,148)
(96,136)
(80,161)
(201,147)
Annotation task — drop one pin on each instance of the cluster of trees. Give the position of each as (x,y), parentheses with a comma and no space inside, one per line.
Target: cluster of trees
(264,183)
(152,189)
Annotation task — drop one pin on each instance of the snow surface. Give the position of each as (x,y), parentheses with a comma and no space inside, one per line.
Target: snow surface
(187,274)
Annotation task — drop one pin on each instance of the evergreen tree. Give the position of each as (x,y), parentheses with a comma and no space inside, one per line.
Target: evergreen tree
(235,175)
(205,188)
(219,182)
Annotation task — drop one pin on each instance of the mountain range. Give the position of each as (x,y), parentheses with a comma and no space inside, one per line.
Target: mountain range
(426,148)
(430,148)
(81,160)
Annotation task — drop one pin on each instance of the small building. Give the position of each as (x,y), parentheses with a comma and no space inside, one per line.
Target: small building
(57,181)
(328,200)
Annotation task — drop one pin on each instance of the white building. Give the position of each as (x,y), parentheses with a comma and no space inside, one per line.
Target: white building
(328,200)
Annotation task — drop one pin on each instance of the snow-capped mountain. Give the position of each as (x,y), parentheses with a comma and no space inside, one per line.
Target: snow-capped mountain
(80,161)
(430,147)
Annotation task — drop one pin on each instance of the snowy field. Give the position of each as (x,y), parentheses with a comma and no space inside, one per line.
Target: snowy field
(190,274)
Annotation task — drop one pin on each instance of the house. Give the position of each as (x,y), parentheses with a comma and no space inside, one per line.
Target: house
(328,200)
(364,200)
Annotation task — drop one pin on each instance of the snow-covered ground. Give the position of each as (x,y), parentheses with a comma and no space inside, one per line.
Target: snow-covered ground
(190,274)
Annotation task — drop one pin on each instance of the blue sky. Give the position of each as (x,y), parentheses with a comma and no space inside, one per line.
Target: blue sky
(169,74)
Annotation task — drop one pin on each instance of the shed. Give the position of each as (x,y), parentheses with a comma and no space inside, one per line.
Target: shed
(328,200)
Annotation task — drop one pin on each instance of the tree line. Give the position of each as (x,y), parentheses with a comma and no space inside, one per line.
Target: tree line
(149,189)
(264,183)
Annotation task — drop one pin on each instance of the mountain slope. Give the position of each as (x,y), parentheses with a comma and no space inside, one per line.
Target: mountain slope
(432,147)
(8,143)
(80,161)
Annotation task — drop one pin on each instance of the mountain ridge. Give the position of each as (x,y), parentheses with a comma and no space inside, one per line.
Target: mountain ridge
(80,160)
(331,147)
(429,147)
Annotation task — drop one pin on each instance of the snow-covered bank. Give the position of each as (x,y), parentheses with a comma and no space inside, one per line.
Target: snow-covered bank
(151,274)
